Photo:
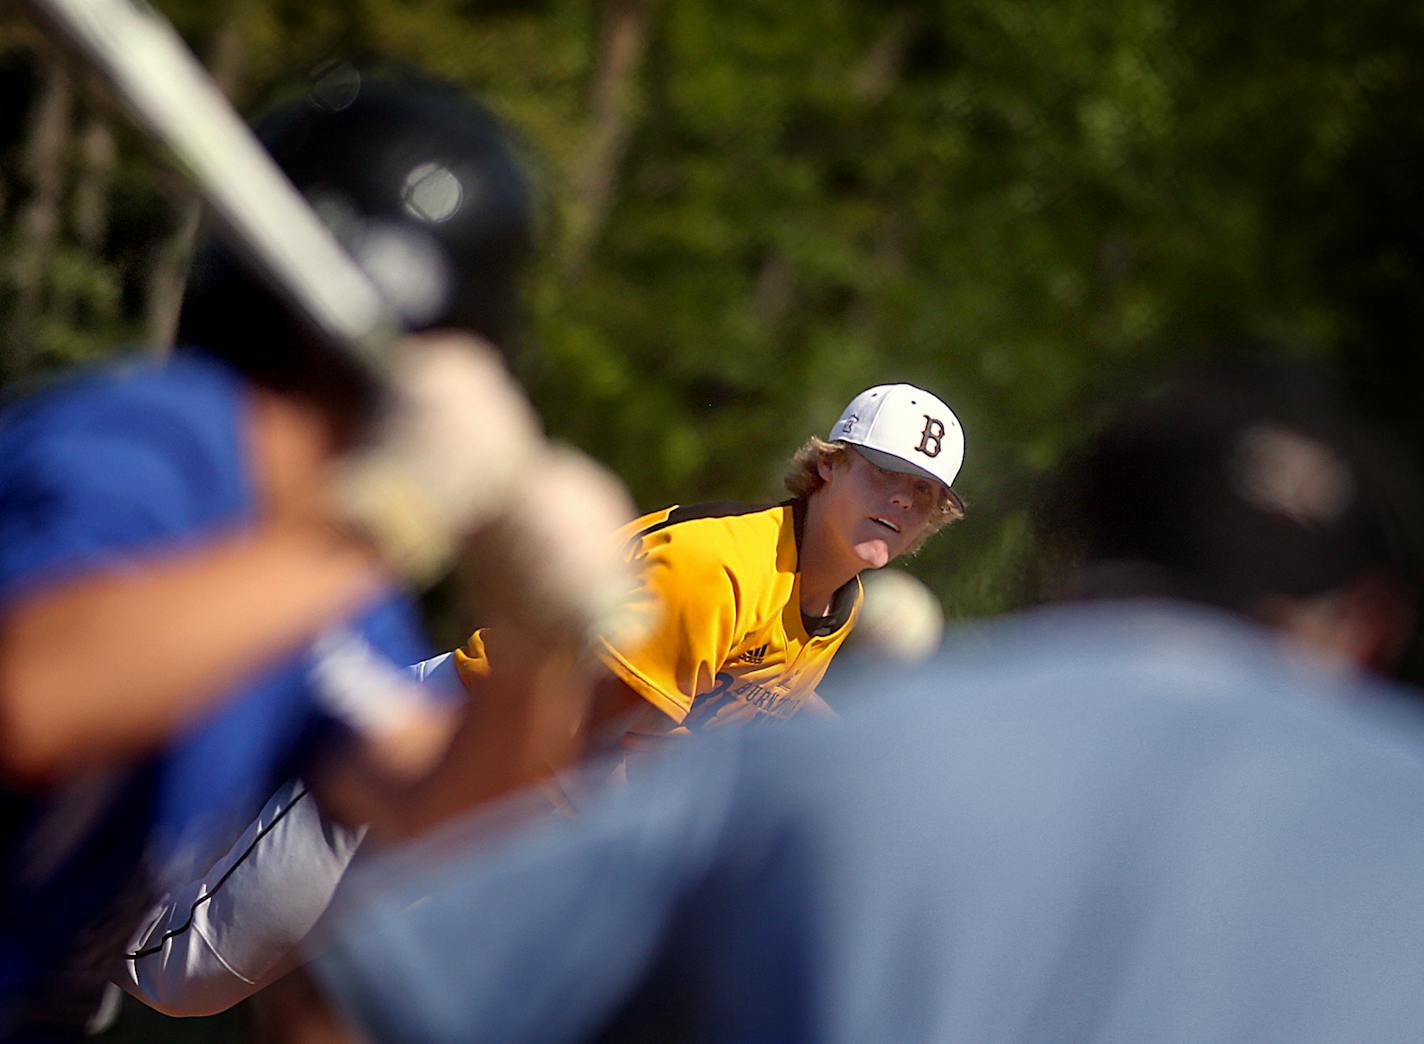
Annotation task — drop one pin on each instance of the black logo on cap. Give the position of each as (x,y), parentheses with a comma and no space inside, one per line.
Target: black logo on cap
(932,438)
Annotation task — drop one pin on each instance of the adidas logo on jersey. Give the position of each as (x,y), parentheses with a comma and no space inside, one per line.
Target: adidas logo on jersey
(755,655)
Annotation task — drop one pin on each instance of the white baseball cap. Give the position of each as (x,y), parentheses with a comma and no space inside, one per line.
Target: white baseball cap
(903,428)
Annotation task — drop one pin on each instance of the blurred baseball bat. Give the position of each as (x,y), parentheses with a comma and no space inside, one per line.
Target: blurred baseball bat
(170,97)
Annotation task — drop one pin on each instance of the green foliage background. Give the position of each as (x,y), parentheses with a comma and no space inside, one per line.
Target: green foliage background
(1023,206)
(758,207)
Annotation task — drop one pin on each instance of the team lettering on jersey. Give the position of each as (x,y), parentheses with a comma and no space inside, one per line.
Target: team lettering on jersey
(769,702)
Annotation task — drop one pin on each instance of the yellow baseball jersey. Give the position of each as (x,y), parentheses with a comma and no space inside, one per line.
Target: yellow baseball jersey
(730,642)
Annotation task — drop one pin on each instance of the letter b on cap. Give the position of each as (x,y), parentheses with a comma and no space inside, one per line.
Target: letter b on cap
(932,438)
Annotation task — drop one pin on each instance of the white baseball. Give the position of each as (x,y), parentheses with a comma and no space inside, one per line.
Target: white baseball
(901,619)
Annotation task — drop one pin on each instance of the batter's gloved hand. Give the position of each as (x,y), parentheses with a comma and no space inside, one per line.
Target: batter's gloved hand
(444,456)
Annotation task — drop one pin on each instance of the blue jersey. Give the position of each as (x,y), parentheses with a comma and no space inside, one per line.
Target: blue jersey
(101,470)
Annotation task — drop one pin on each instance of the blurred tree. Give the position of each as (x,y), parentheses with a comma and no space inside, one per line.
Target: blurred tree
(758,208)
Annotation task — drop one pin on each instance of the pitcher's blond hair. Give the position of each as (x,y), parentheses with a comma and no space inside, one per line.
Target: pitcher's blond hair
(803,478)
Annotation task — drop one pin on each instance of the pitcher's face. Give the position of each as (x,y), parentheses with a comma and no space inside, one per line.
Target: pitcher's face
(875,514)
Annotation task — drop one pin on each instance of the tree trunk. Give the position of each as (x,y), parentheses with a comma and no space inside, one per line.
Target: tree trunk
(88,211)
(97,155)
(623,35)
(40,221)
(880,69)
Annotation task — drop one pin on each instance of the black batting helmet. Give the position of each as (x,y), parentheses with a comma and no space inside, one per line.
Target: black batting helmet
(424,189)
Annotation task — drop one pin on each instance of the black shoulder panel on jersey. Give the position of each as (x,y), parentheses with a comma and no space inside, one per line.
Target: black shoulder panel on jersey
(712,509)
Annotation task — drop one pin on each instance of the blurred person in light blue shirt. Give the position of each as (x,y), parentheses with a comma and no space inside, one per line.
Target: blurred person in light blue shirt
(1175,808)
